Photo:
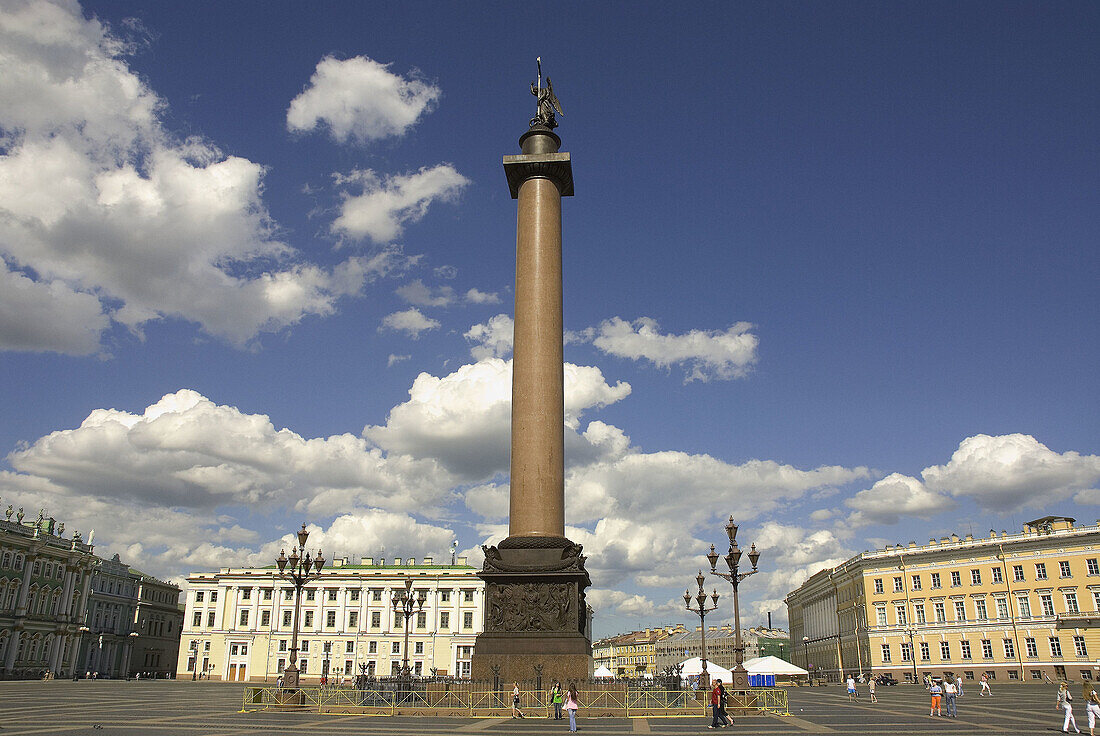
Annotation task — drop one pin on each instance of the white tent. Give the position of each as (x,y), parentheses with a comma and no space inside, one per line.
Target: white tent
(602,671)
(773,666)
(694,667)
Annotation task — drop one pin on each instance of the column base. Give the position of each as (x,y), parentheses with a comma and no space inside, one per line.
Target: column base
(535,612)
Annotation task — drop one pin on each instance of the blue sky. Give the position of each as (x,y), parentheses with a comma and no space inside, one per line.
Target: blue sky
(830,268)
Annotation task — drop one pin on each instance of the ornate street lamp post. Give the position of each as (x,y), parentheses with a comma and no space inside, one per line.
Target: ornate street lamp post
(324,670)
(912,651)
(299,569)
(405,605)
(195,657)
(733,557)
(806,655)
(701,609)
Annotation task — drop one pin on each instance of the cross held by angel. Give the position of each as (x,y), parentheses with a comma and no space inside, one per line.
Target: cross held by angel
(547,102)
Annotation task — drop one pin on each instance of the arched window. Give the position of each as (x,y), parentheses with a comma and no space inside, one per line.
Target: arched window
(7,560)
(19,562)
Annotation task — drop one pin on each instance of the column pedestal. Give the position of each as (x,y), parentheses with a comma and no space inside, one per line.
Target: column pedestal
(535,613)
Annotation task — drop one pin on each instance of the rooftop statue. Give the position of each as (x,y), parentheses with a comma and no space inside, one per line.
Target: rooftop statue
(547,101)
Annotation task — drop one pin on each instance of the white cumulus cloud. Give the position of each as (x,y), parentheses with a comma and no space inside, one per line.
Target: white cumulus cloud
(97,198)
(384,204)
(1014,471)
(895,496)
(492,339)
(360,99)
(705,355)
(411,321)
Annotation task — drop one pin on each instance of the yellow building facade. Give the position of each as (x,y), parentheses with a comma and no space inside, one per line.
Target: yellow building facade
(632,654)
(1011,606)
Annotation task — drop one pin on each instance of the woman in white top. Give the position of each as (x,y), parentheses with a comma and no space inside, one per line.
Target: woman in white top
(1092,706)
(516,712)
(950,692)
(1064,701)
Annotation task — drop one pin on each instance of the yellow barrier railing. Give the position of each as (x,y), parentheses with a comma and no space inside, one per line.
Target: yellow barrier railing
(626,702)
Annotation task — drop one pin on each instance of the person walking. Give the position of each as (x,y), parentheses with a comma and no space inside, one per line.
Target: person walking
(572,702)
(516,712)
(723,717)
(1092,706)
(556,698)
(985,686)
(1065,702)
(936,692)
(871,689)
(851,689)
(716,705)
(950,691)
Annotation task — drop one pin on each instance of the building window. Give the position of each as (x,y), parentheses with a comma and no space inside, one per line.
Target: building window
(960,610)
(964,648)
(1040,571)
(288,594)
(286,617)
(309,619)
(349,647)
(376,594)
(898,584)
(936,580)
(1063,568)
(906,652)
(1055,647)
(980,610)
(899,611)
(199,595)
(196,619)
(1018,573)
(246,594)
(1079,646)
(311,595)
(267,594)
(444,620)
(918,609)
(395,648)
(330,619)
(444,596)
(1010,649)
(1002,608)
(418,647)
(354,595)
(1046,601)
(372,647)
(468,620)
(1023,605)
(941,614)
(1031,647)
(945,650)
(421,620)
(353,619)
(331,594)
(282,645)
(987,648)
(885,652)
(244,618)
(375,619)
(956,578)
(468,595)
(305,645)
(1096,600)
(975,577)
(213,596)
(925,652)
(997,576)
(210,619)
(1093,567)
(265,618)
(1071,603)
(916,582)
(880,615)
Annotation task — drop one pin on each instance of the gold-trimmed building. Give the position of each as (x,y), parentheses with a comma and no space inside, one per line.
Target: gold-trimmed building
(1010,606)
(632,654)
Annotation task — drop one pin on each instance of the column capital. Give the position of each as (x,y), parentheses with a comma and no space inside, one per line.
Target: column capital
(556,167)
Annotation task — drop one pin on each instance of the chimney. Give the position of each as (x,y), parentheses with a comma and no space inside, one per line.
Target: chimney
(368,560)
(396,560)
(461,561)
(427,560)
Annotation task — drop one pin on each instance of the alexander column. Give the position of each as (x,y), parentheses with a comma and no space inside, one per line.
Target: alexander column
(535,613)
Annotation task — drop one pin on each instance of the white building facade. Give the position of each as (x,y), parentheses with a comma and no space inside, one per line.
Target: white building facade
(238,622)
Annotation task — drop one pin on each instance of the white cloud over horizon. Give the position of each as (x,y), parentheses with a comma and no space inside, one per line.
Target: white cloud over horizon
(384,204)
(410,321)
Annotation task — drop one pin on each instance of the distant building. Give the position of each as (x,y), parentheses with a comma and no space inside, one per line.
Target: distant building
(238,622)
(158,621)
(721,643)
(632,654)
(44,584)
(1013,607)
(109,617)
